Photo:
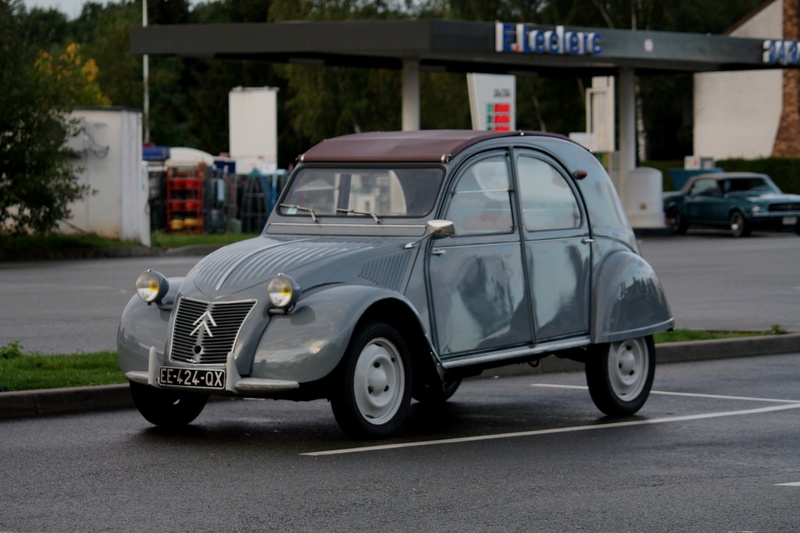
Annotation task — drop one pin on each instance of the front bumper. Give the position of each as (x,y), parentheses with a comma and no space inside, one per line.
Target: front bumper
(234,383)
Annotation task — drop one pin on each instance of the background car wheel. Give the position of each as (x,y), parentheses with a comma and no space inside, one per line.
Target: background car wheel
(677,224)
(167,408)
(620,375)
(374,392)
(739,225)
(433,395)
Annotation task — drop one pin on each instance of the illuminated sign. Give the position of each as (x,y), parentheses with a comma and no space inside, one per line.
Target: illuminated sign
(783,52)
(498,117)
(520,39)
(492,101)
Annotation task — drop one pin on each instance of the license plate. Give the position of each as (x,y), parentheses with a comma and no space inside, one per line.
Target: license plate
(789,221)
(192,378)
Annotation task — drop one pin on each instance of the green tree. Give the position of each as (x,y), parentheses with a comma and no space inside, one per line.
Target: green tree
(37,178)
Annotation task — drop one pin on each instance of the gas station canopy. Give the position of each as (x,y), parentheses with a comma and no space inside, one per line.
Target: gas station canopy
(463,46)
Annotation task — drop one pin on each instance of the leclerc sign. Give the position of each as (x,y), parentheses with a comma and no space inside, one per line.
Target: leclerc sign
(783,52)
(518,38)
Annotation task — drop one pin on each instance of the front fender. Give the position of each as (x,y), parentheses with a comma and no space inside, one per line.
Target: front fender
(627,299)
(309,342)
(143,326)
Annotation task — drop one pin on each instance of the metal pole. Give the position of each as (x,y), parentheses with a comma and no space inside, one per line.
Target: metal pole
(145,78)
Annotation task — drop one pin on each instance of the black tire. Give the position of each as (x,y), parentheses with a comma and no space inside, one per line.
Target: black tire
(373,393)
(438,394)
(620,375)
(167,408)
(677,224)
(739,225)
(797,229)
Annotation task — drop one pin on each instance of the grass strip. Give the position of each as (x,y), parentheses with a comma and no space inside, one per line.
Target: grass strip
(20,371)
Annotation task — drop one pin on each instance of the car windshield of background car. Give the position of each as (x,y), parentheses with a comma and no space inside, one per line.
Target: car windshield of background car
(746,185)
(406,192)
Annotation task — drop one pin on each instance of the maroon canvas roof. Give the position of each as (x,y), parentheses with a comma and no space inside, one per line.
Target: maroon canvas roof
(408,146)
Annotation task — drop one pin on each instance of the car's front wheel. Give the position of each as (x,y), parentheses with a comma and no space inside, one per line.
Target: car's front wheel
(620,375)
(167,408)
(739,225)
(373,394)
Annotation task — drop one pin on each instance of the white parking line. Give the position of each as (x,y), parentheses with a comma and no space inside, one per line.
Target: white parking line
(687,394)
(795,484)
(793,405)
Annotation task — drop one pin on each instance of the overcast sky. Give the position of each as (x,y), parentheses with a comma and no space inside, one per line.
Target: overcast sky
(71,8)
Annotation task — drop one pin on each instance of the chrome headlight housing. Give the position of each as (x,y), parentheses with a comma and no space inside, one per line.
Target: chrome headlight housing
(151,286)
(283,291)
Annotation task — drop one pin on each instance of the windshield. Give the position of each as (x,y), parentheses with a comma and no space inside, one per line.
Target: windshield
(348,192)
(748,184)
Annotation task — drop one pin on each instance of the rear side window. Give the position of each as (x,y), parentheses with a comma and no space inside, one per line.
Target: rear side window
(548,201)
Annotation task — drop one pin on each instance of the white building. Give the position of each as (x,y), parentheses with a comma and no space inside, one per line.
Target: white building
(750,114)
(109,149)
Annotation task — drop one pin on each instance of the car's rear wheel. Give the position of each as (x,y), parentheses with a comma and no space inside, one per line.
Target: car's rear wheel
(677,224)
(373,394)
(739,225)
(620,375)
(167,408)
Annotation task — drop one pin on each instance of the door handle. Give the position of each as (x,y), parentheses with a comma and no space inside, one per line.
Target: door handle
(437,251)
(587,240)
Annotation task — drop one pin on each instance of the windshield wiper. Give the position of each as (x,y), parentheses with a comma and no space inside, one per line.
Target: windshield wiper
(302,208)
(354,212)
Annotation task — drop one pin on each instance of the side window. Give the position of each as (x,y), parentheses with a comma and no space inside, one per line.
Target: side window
(547,199)
(481,201)
(704,188)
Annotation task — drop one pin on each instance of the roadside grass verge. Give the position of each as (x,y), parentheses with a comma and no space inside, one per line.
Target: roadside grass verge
(28,371)
(161,239)
(22,371)
(57,246)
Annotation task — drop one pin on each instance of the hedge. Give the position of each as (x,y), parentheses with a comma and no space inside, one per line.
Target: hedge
(785,172)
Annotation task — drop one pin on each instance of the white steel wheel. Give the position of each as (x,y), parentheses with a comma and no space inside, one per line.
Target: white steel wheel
(374,391)
(627,368)
(379,381)
(620,375)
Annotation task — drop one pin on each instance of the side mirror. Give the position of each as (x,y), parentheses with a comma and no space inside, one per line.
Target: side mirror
(435,229)
(440,228)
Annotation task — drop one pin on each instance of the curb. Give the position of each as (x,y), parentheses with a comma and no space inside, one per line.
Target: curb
(44,402)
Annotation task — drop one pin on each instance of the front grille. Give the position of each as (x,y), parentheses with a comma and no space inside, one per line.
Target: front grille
(784,207)
(204,332)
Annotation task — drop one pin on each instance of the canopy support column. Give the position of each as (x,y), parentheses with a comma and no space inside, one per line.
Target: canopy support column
(410,94)
(627,127)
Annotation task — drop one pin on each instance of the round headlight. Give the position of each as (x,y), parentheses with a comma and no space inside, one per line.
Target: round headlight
(283,291)
(756,209)
(151,286)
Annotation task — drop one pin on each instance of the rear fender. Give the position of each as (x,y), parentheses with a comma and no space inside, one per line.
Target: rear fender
(627,299)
